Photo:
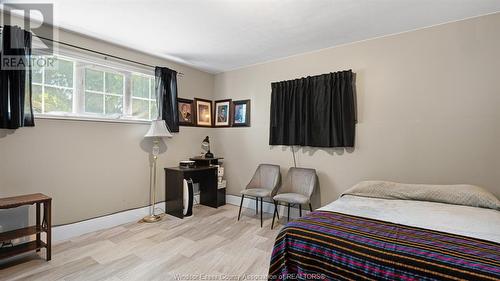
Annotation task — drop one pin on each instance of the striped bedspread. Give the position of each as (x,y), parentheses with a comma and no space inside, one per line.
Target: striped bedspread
(333,246)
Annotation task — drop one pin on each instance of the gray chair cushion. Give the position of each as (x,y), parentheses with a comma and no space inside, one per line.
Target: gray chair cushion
(293,198)
(266,177)
(257,192)
(298,186)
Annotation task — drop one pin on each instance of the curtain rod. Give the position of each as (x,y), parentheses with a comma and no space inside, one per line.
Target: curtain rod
(314,76)
(101,53)
(98,52)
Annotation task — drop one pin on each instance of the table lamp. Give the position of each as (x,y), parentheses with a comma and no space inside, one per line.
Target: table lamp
(205,145)
(157,131)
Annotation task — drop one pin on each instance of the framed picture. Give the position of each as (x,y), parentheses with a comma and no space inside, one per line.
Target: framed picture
(186,112)
(241,113)
(203,112)
(222,113)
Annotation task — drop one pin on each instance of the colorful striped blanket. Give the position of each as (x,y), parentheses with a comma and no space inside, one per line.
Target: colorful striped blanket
(334,246)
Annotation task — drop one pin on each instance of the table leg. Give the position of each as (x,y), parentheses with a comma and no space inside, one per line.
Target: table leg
(38,225)
(261,199)
(48,219)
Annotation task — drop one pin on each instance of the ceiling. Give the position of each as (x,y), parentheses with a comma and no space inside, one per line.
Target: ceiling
(222,35)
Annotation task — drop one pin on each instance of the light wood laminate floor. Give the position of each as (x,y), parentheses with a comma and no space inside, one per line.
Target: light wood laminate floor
(211,244)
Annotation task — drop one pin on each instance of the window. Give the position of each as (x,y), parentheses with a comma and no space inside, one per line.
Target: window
(76,88)
(104,92)
(143,97)
(53,87)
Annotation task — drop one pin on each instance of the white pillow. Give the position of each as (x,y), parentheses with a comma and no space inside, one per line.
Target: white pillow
(459,194)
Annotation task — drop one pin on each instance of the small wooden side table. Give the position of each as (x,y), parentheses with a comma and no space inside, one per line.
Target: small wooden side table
(43,224)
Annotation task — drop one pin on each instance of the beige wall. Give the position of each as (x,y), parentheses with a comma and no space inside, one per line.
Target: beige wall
(428,103)
(428,110)
(95,168)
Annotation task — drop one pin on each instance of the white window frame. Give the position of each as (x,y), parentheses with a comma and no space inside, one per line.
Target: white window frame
(82,61)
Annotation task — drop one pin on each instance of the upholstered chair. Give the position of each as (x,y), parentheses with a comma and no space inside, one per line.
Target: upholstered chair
(297,189)
(264,184)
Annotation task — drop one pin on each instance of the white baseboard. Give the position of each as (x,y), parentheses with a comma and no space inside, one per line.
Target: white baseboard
(71,230)
(68,231)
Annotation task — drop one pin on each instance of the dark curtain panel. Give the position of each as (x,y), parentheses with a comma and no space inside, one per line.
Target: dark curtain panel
(314,111)
(166,93)
(15,81)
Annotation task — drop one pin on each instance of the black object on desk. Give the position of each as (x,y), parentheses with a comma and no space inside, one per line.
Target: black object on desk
(206,176)
(203,161)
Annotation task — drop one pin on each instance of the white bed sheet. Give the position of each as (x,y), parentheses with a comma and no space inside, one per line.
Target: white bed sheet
(463,220)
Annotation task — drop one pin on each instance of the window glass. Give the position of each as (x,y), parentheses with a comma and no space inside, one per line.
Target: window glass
(114,83)
(143,97)
(94,102)
(56,90)
(140,108)
(140,86)
(52,87)
(57,100)
(94,80)
(36,73)
(113,104)
(152,88)
(104,92)
(36,98)
(60,73)
(153,110)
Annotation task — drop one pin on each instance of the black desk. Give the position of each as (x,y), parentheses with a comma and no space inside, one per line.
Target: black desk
(207,178)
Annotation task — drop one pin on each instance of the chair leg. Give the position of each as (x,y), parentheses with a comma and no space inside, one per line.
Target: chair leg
(241,204)
(256,205)
(288,218)
(277,213)
(274,213)
(310,207)
(261,199)
(300,210)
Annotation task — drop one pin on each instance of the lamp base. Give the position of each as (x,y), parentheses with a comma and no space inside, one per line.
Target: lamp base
(151,218)
(209,154)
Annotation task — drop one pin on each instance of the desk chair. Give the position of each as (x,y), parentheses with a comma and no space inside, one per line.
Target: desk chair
(264,184)
(297,189)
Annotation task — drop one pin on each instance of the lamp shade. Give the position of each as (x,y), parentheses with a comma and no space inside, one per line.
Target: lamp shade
(205,144)
(158,129)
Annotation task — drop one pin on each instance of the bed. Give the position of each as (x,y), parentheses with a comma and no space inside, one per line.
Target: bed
(390,231)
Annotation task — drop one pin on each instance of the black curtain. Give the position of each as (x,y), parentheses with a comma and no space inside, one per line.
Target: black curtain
(316,111)
(15,79)
(166,93)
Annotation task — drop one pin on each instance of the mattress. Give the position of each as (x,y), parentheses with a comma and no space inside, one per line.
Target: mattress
(457,219)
